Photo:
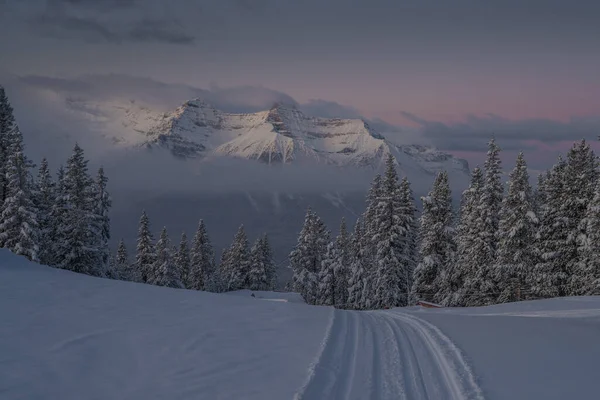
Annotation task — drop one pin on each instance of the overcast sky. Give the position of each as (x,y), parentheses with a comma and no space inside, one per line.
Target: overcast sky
(460,70)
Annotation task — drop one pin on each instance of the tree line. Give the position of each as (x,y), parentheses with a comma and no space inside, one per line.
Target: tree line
(64,223)
(499,247)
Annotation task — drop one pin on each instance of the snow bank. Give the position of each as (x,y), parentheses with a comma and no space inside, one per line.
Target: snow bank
(546,349)
(70,336)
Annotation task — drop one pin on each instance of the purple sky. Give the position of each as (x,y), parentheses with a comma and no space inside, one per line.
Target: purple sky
(526,71)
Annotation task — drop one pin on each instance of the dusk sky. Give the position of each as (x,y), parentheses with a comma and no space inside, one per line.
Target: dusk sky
(460,71)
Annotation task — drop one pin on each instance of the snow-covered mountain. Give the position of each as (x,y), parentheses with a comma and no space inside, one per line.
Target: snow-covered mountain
(281,135)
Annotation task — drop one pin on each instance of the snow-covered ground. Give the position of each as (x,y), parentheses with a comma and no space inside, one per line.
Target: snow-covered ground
(69,336)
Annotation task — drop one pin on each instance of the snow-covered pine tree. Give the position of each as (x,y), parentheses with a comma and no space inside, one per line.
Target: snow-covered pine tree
(125,270)
(391,239)
(101,220)
(515,258)
(77,244)
(237,263)
(368,246)
(257,274)
(585,279)
(183,261)
(44,201)
(549,278)
(437,245)
(270,267)
(111,269)
(491,201)
(307,256)
(7,126)
(202,265)
(57,216)
(146,253)
(464,269)
(412,232)
(166,272)
(342,265)
(581,175)
(358,268)
(19,230)
(327,279)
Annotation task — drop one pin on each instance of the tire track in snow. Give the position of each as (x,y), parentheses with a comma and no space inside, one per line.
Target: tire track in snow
(388,355)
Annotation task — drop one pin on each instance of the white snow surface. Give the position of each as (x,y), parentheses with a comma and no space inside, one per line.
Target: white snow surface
(70,336)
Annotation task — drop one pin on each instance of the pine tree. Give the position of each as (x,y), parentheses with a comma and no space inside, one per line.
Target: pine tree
(182,260)
(412,232)
(437,243)
(146,253)
(77,244)
(257,274)
(515,255)
(391,237)
(101,220)
(326,277)
(111,269)
(308,255)
(483,290)
(237,263)
(468,243)
(124,269)
(44,202)
(202,265)
(359,269)
(58,215)
(19,228)
(270,267)
(585,279)
(580,177)
(165,270)
(368,246)
(341,265)
(549,277)
(7,127)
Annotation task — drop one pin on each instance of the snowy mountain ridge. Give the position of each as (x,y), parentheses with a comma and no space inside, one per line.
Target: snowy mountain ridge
(280,135)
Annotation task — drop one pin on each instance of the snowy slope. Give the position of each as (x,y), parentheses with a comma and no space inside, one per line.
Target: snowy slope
(71,336)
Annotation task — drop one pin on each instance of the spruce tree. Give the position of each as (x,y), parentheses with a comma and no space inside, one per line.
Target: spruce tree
(308,255)
(358,272)
(585,277)
(368,246)
(58,215)
(44,201)
(412,232)
(7,127)
(165,271)
(146,254)
(78,246)
(549,278)
(580,177)
(437,245)
(326,278)
(257,274)
(19,230)
(517,228)
(270,267)
(202,262)
(468,241)
(182,260)
(391,238)
(101,220)
(125,272)
(237,264)
(342,266)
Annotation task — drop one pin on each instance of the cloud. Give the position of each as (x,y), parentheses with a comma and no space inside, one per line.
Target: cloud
(329,109)
(474,132)
(160,31)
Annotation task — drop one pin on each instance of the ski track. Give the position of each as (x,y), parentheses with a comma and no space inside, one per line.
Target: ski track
(389,355)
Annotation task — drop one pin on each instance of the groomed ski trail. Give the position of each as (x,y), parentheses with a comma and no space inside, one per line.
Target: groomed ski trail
(389,355)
